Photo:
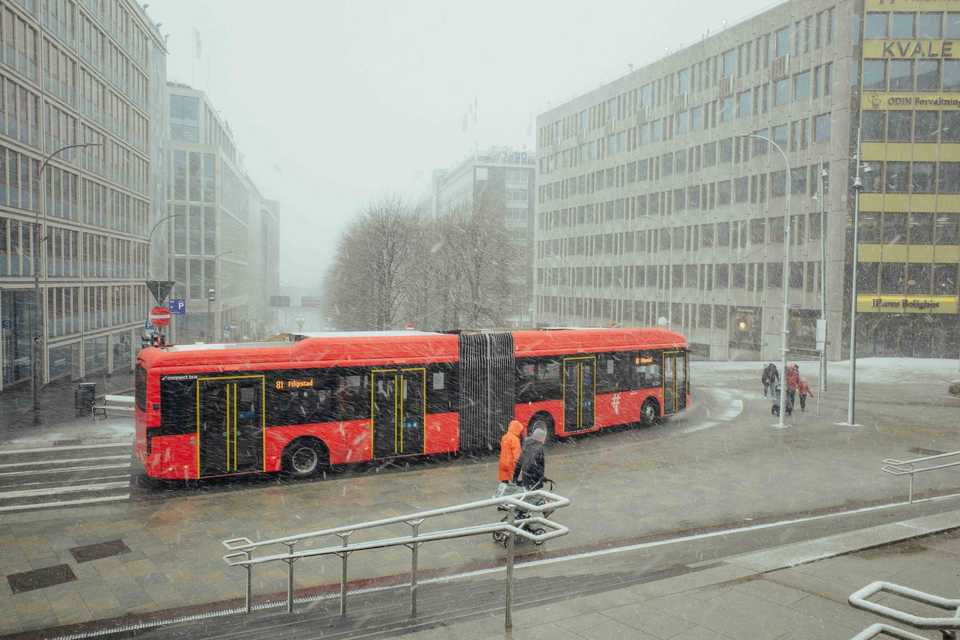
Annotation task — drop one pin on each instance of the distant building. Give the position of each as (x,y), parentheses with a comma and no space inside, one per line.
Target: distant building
(655,202)
(499,179)
(223,238)
(71,73)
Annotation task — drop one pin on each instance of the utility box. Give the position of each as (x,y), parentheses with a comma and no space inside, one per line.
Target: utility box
(84,397)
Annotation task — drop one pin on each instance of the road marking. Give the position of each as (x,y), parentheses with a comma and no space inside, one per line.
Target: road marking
(34,463)
(38,472)
(733,410)
(64,503)
(13,452)
(29,493)
(701,427)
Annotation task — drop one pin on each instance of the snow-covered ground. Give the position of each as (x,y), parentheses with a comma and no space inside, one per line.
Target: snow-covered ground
(869,370)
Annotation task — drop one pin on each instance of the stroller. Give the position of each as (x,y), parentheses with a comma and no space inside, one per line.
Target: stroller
(775,409)
(508,488)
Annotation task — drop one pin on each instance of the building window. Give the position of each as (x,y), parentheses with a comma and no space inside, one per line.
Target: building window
(899,126)
(891,278)
(951,75)
(783,42)
(821,128)
(929,26)
(901,75)
(921,228)
(926,126)
(801,86)
(867,273)
(928,75)
(894,228)
(876,26)
(874,75)
(898,177)
(781,92)
(922,177)
(869,228)
(872,125)
(953,25)
(945,228)
(949,178)
(901,25)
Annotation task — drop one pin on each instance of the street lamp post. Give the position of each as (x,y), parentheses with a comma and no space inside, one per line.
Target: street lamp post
(821,193)
(786,278)
(38,331)
(852,392)
(150,240)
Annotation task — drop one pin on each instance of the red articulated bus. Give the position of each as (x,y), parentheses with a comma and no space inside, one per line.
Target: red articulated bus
(205,411)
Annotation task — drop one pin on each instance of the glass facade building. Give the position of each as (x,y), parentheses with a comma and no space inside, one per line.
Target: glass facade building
(71,72)
(223,236)
(656,203)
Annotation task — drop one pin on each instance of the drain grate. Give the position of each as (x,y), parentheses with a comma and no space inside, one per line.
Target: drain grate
(89,552)
(920,451)
(40,578)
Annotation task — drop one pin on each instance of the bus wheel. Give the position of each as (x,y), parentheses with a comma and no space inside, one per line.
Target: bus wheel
(650,412)
(303,458)
(541,421)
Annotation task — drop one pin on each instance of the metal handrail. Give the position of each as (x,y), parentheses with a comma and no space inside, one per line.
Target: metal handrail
(896,467)
(535,502)
(553,501)
(947,626)
(878,629)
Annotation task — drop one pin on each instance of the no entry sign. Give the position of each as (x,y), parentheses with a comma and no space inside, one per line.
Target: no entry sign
(160,316)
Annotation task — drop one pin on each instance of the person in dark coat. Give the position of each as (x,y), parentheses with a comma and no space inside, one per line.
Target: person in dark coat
(770,378)
(531,466)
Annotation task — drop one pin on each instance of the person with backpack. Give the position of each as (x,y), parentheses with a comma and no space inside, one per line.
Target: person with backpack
(531,467)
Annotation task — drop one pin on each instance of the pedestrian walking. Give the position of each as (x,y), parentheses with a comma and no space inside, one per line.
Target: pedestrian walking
(793,381)
(804,389)
(510,450)
(532,466)
(767,378)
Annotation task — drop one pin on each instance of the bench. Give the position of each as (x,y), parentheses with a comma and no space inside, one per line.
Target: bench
(114,403)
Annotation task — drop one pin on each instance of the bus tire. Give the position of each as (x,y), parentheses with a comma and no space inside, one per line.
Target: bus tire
(649,412)
(304,457)
(541,421)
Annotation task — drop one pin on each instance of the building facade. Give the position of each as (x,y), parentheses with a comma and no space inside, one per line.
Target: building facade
(501,180)
(223,235)
(656,203)
(74,72)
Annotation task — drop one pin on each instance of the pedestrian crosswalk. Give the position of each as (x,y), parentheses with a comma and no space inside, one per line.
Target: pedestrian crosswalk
(64,475)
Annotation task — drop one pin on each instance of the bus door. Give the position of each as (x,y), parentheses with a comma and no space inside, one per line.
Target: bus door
(230,424)
(674,381)
(398,410)
(579,393)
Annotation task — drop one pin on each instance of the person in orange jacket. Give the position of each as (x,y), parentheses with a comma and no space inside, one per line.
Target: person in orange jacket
(510,450)
(804,389)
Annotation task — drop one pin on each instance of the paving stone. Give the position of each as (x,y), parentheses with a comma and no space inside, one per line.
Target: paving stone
(596,626)
(771,591)
(646,617)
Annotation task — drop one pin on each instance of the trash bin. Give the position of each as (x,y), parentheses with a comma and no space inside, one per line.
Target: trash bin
(84,397)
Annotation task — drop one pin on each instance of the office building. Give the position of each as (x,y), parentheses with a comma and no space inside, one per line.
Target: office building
(71,73)
(656,203)
(223,236)
(497,180)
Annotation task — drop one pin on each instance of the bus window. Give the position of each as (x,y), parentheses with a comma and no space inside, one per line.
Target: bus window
(647,369)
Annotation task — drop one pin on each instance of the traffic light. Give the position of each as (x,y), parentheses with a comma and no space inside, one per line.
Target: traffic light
(211,294)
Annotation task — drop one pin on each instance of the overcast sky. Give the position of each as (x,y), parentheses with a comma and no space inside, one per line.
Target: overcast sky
(334,103)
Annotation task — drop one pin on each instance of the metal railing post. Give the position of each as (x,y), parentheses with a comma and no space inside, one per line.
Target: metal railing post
(344,540)
(508,605)
(248,600)
(414,556)
(910,492)
(290,580)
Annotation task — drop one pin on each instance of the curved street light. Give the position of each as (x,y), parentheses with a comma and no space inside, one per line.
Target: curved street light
(786,278)
(38,332)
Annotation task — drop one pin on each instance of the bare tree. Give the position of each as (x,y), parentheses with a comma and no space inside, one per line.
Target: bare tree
(372,262)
